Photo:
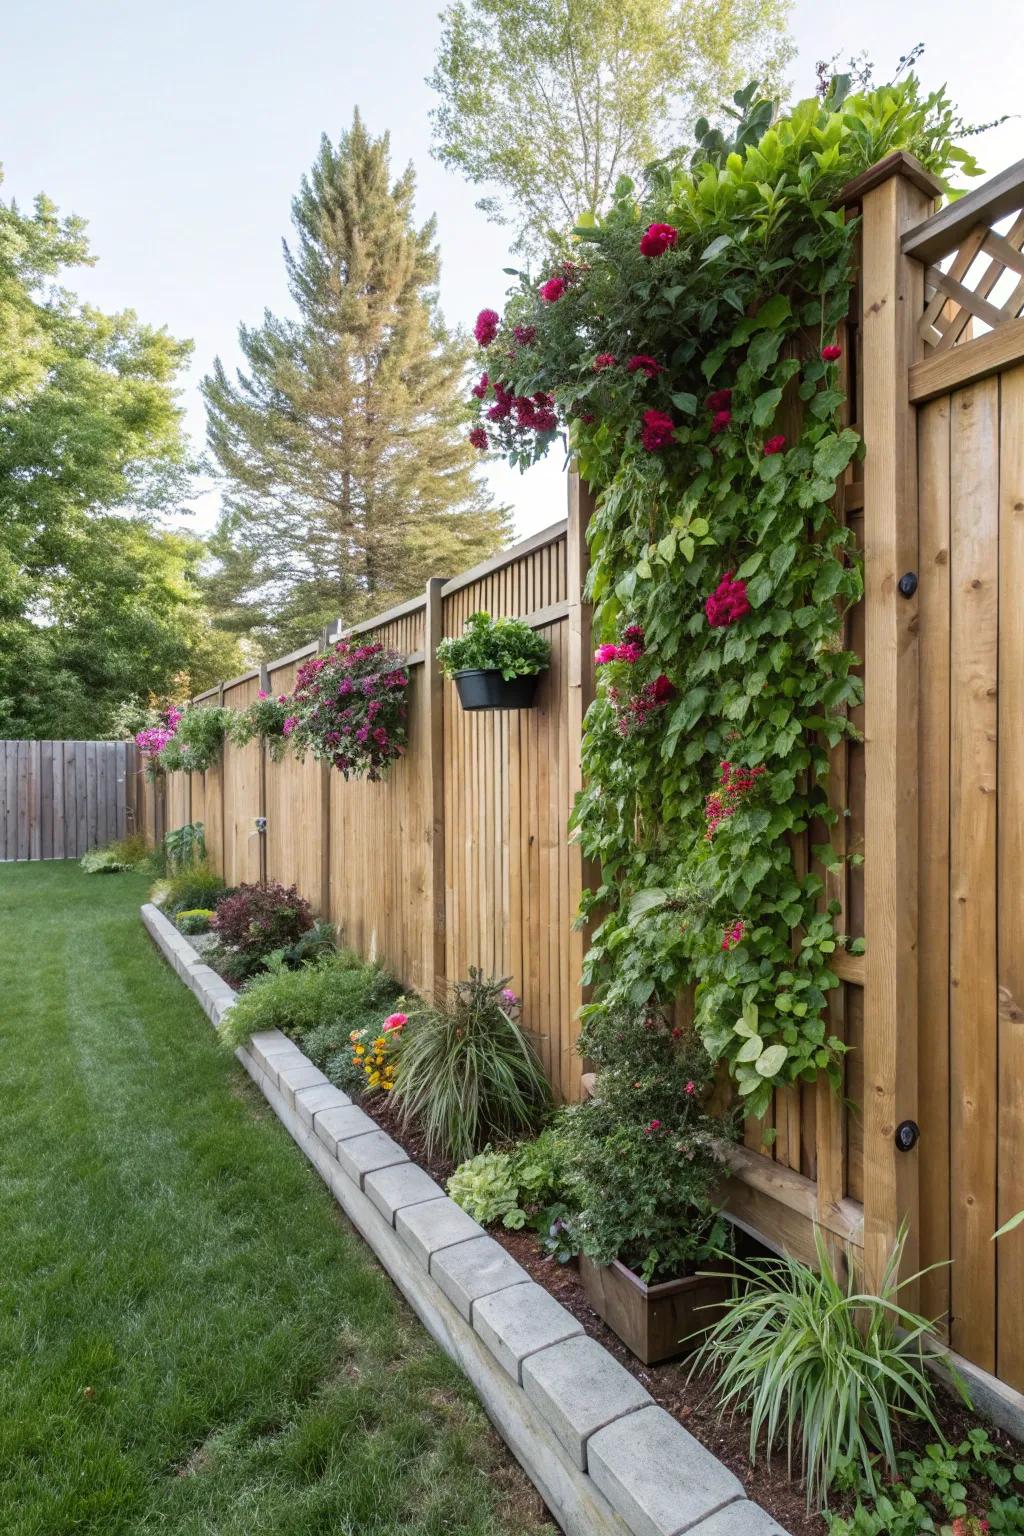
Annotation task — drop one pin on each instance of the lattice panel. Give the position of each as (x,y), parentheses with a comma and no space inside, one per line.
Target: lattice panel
(984,283)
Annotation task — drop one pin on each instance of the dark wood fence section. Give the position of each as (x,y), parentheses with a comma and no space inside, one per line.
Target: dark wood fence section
(58,799)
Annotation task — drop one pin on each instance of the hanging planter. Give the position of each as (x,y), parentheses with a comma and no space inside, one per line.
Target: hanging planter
(495,664)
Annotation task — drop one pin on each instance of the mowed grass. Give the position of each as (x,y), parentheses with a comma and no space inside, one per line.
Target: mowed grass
(192,1339)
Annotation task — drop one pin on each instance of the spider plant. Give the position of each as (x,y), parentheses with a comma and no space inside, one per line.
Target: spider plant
(467,1072)
(822,1367)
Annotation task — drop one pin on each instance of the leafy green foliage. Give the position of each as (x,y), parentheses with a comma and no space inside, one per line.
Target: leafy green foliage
(485,1188)
(117,857)
(348,476)
(551,104)
(198,740)
(185,845)
(642,1159)
(194,920)
(196,886)
(317,1005)
(262,720)
(507,646)
(518,1186)
(937,1486)
(734,478)
(468,1073)
(820,1368)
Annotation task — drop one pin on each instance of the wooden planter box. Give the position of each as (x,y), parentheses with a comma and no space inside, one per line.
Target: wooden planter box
(654,1321)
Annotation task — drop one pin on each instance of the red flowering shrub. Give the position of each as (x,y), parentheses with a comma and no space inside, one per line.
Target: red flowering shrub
(719,400)
(727,603)
(524,335)
(257,919)
(657,430)
(478,437)
(604,360)
(725,802)
(720,421)
(349,706)
(657,239)
(552,290)
(774,445)
(486,327)
(641,363)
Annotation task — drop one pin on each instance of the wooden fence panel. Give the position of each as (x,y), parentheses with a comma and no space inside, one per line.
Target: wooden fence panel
(241,774)
(61,798)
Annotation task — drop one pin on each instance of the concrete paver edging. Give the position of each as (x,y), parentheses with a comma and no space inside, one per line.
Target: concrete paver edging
(605,1458)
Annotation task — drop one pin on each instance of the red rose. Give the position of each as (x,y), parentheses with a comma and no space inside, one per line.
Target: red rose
(663,689)
(478,437)
(727,603)
(719,400)
(486,328)
(552,290)
(720,421)
(657,239)
(657,431)
(645,364)
(774,445)
(831,354)
(604,360)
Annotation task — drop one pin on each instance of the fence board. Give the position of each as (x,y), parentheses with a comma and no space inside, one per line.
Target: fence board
(53,805)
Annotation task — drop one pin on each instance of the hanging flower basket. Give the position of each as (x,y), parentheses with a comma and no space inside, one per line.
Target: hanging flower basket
(495,663)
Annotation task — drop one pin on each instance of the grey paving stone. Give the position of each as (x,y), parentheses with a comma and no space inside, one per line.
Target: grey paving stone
(474,1269)
(579,1388)
(520,1321)
(290,1078)
(365,1154)
(426,1229)
(660,1479)
(309,1101)
(336,1125)
(269,1040)
(741,1519)
(404,1184)
(274,1062)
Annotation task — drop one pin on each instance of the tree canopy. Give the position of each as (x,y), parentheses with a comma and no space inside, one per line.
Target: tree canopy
(348,474)
(549,102)
(98,599)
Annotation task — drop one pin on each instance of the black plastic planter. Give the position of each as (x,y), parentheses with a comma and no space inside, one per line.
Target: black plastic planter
(481,688)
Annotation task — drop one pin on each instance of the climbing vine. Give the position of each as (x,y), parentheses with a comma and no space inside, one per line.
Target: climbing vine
(691,354)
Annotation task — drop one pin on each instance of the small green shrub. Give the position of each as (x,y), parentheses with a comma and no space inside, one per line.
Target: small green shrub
(262,917)
(317,1006)
(507,646)
(485,1187)
(938,1485)
(467,1073)
(125,853)
(185,846)
(197,886)
(819,1367)
(194,920)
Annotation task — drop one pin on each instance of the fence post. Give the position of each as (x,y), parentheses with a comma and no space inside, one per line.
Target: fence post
(432,717)
(264,686)
(898,195)
(580,693)
(325,812)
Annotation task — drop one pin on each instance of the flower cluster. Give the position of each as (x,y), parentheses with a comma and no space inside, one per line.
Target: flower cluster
(725,802)
(349,707)
(657,430)
(152,739)
(637,711)
(657,239)
(486,327)
(375,1055)
(733,935)
(518,422)
(727,603)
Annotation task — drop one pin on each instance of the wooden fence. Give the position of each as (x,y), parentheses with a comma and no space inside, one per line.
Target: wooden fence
(58,799)
(462,856)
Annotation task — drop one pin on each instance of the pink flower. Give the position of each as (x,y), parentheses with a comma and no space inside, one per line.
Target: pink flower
(633,634)
(479,390)
(720,421)
(655,1125)
(552,290)
(641,363)
(395,1021)
(727,603)
(289,725)
(691,1089)
(719,400)
(831,354)
(774,445)
(658,428)
(486,327)
(525,335)
(509,998)
(263,694)
(663,689)
(603,360)
(604,654)
(657,239)
(733,935)
(478,437)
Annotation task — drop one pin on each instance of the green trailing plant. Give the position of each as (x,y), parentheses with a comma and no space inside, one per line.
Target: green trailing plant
(195,920)
(825,1371)
(196,886)
(691,351)
(197,741)
(468,1073)
(185,845)
(262,720)
(961,1490)
(508,646)
(118,857)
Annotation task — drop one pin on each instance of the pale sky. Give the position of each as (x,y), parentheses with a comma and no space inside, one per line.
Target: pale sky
(180,131)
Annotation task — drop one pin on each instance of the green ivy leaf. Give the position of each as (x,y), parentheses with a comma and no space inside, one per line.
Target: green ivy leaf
(771,1062)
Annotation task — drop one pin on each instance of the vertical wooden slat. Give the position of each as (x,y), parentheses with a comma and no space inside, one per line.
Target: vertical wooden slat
(893,289)
(432,751)
(933,832)
(974,524)
(24,791)
(57,769)
(1010,1250)
(91,796)
(579,694)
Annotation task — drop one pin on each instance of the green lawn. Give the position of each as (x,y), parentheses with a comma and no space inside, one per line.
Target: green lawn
(192,1339)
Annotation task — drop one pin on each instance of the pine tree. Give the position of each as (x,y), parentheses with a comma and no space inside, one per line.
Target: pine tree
(349,475)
